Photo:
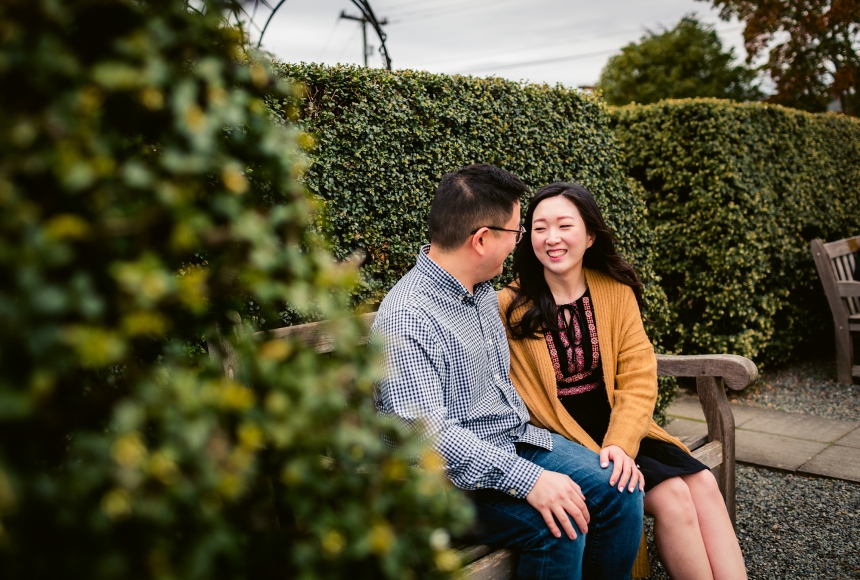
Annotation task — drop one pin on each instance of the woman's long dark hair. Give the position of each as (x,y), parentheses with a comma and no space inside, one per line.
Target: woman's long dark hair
(601,256)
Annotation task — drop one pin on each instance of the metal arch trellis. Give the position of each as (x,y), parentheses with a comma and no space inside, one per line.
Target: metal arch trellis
(236,11)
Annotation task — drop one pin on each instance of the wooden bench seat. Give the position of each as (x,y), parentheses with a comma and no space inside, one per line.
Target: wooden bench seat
(711,373)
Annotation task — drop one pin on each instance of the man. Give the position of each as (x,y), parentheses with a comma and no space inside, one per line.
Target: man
(447,370)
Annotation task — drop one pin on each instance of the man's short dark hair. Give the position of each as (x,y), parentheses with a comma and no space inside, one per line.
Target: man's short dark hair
(470,198)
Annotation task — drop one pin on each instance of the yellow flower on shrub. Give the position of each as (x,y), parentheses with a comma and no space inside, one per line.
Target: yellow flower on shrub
(333,542)
(129,450)
(116,503)
(381,538)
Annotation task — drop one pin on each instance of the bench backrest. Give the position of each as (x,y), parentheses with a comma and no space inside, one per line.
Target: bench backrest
(837,267)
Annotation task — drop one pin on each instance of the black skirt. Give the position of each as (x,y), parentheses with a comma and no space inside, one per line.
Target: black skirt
(657,460)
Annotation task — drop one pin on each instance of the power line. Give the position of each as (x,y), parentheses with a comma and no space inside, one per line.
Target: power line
(535,47)
(328,40)
(445,10)
(541,61)
(345,46)
(563,58)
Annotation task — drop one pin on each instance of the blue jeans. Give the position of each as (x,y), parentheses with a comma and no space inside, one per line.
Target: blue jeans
(609,548)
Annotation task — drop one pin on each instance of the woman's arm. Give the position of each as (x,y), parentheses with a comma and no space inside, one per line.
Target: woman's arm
(635,392)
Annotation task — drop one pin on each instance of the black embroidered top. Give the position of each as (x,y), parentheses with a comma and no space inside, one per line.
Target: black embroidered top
(575,355)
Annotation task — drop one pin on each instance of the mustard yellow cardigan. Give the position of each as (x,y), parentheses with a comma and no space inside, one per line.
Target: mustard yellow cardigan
(629,371)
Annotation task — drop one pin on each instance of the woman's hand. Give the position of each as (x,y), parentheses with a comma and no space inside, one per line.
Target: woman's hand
(624,469)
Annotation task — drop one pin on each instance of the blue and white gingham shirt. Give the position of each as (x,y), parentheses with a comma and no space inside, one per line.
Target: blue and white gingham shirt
(447,363)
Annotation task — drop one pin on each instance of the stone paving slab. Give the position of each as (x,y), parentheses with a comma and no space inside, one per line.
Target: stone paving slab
(745,415)
(686,428)
(772,438)
(851,440)
(688,407)
(798,425)
(835,461)
(775,450)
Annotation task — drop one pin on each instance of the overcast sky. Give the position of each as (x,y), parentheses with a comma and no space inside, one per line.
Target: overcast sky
(552,41)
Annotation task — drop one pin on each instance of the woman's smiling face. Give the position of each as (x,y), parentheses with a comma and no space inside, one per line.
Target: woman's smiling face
(558,235)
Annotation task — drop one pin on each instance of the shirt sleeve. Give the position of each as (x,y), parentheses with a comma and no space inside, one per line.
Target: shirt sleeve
(413,389)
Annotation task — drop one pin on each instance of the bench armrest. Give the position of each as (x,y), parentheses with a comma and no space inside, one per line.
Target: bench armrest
(738,372)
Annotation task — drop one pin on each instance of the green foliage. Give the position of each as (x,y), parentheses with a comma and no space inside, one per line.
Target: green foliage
(735,193)
(813,49)
(383,142)
(687,61)
(145,194)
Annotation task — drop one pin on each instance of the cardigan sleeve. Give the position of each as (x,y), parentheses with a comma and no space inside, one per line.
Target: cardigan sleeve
(635,380)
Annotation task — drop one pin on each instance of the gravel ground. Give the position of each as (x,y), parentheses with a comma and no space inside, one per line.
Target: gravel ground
(792,526)
(789,525)
(808,387)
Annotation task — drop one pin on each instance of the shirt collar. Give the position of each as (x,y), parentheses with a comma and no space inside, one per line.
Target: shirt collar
(447,283)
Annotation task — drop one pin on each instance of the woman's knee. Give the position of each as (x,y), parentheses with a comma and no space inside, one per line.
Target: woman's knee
(671,499)
(703,484)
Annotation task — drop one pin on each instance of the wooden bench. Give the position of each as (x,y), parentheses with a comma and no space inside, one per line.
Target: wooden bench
(837,269)
(716,449)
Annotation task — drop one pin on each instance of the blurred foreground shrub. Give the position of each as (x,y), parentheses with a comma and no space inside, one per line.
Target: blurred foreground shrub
(144,194)
(735,193)
(384,140)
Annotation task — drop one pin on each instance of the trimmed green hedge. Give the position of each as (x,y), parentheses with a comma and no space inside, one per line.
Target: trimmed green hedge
(735,193)
(384,140)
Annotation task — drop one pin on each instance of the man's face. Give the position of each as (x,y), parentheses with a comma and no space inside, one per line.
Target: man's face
(501,244)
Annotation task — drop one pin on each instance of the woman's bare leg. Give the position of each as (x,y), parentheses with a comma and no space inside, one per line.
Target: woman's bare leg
(676,530)
(718,535)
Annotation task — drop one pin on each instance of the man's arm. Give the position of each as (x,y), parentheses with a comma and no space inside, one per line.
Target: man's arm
(412,390)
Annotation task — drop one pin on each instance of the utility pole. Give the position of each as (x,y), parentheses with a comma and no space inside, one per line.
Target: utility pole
(367,49)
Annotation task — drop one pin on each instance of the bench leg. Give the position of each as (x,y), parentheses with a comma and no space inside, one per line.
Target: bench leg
(721,427)
(844,354)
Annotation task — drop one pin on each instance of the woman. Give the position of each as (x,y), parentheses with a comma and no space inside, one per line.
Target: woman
(585,368)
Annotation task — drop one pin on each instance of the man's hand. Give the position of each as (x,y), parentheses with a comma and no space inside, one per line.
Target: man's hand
(624,469)
(555,495)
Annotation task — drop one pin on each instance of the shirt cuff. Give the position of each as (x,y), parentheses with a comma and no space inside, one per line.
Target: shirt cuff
(521,478)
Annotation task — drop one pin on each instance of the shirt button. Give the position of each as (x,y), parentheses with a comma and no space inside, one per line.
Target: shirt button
(497,377)
(478,485)
(513,492)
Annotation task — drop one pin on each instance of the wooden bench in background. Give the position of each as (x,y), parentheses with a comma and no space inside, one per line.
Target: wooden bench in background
(837,269)
(712,374)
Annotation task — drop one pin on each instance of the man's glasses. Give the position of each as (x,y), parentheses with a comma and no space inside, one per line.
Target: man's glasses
(520,232)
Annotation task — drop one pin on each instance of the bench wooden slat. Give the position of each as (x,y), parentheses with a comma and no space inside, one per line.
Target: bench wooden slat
(693,442)
(846,289)
(319,335)
(842,247)
(845,275)
(499,565)
(711,454)
(471,553)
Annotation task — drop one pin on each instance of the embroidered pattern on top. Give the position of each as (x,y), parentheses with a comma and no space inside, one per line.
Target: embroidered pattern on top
(574,352)
(577,390)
